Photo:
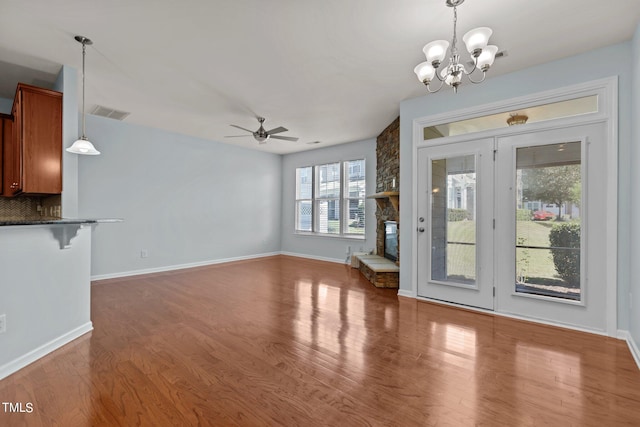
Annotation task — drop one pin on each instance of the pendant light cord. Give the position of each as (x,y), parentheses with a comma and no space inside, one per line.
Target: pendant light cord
(84,52)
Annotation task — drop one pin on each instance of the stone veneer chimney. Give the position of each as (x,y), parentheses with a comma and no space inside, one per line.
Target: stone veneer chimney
(388,170)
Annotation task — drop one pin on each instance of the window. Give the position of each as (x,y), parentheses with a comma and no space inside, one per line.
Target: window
(330,198)
(304,199)
(554,110)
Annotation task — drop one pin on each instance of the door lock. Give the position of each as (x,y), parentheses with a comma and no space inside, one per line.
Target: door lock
(421,229)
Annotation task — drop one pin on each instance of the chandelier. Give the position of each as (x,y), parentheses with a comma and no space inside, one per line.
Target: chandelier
(476,42)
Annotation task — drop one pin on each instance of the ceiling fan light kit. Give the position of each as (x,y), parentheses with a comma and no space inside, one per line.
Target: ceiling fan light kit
(477,44)
(262,135)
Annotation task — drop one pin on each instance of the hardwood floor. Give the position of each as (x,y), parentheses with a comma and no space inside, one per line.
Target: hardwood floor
(289,341)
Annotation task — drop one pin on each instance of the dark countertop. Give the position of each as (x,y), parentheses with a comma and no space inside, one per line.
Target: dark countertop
(54,221)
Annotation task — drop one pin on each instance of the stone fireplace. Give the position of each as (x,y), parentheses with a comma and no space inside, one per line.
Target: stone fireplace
(380,271)
(387,182)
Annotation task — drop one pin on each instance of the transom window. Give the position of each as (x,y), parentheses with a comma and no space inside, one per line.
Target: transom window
(330,198)
(538,113)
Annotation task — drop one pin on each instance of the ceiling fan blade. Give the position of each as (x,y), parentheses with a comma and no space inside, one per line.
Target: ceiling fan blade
(279,129)
(286,138)
(235,126)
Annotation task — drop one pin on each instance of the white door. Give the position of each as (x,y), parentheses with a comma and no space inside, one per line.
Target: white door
(551,215)
(455,223)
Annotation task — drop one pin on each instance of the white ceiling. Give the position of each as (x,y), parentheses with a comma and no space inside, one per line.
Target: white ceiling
(333,71)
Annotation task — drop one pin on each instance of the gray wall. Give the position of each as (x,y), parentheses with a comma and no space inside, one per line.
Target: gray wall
(67,82)
(45,292)
(5,105)
(324,247)
(634,285)
(597,64)
(185,200)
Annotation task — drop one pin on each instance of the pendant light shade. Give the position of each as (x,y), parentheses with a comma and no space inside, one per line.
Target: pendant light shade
(82,145)
(477,39)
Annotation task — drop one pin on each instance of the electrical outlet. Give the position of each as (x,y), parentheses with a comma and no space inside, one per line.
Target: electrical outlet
(144,253)
(3,323)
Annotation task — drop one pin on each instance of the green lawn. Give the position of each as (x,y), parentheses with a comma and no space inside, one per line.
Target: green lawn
(461,259)
(532,265)
(334,227)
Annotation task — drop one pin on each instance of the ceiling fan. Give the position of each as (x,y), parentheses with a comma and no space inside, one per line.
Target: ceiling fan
(262,135)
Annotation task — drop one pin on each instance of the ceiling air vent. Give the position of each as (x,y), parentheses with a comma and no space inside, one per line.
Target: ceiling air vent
(99,110)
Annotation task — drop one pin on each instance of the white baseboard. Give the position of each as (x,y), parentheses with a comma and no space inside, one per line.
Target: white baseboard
(178,266)
(26,359)
(510,315)
(317,258)
(208,262)
(633,347)
(405,293)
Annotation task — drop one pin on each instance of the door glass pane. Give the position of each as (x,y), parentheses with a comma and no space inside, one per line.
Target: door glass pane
(549,188)
(453,219)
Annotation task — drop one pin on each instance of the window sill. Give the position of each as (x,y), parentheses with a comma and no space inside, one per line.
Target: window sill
(330,236)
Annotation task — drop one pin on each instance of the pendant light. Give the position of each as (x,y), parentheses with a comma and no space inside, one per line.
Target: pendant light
(82,145)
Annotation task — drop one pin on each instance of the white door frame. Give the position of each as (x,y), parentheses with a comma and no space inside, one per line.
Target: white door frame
(590,311)
(607,92)
(482,292)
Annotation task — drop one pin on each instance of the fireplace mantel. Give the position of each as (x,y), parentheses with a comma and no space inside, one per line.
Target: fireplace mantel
(392,196)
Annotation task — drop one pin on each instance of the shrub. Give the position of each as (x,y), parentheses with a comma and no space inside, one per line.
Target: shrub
(567,261)
(459,214)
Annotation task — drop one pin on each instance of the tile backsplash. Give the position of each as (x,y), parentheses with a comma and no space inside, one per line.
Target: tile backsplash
(30,207)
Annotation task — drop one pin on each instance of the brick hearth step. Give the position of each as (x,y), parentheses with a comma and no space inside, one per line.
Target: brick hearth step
(380,271)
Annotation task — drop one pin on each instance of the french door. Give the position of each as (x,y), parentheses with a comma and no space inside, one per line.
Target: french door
(516,224)
(455,224)
(554,264)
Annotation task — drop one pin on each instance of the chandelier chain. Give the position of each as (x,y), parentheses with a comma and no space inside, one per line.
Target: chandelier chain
(454,42)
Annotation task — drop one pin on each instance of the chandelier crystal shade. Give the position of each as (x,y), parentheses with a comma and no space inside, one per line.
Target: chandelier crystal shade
(82,145)
(477,44)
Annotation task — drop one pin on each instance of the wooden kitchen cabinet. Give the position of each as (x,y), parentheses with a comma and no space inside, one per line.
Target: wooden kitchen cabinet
(8,155)
(3,118)
(33,154)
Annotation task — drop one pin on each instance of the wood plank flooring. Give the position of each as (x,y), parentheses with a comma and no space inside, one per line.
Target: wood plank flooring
(295,342)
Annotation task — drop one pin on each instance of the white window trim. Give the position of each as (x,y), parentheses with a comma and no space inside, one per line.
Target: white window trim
(343,200)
